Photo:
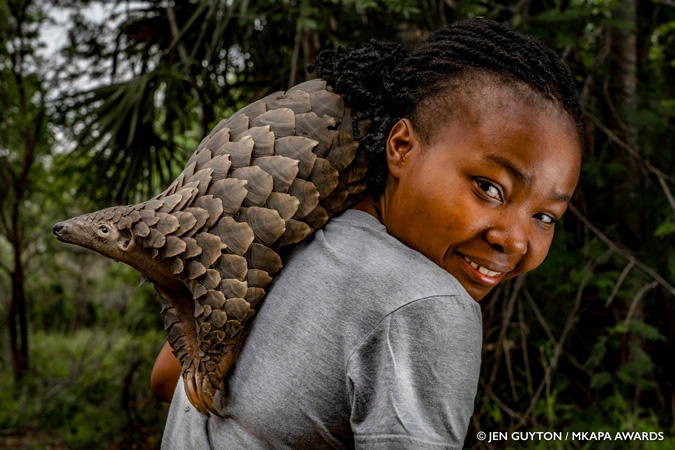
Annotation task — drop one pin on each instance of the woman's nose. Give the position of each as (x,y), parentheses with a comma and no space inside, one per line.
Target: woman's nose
(509,236)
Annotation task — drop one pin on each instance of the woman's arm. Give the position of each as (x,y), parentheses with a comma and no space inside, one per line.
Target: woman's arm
(414,379)
(165,375)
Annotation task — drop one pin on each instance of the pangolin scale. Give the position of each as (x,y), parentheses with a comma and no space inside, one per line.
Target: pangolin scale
(267,177)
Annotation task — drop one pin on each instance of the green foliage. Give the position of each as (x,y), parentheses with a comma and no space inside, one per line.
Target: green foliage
(134,133)
(95,391)
(638,369)
(93,343)
(665,229)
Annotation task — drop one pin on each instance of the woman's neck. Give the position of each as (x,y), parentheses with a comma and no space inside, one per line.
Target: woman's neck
(370,206)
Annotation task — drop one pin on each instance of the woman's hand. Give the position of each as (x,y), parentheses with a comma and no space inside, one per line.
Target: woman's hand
(165,374)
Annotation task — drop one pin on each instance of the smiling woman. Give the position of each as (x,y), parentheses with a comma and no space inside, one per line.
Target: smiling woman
(482,198)
(371,335)
(476,148)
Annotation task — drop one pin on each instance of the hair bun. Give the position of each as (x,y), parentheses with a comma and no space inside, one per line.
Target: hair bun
(363,77)
(362,74)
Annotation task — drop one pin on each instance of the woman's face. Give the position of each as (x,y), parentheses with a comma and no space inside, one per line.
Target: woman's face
(481,200)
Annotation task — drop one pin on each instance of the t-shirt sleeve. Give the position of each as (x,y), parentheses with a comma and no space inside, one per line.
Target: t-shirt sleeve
(412,381)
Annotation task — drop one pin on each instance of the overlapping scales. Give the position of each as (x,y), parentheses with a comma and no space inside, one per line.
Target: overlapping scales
(268,176)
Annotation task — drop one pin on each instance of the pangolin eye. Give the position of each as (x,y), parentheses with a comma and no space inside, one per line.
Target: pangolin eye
(104,229)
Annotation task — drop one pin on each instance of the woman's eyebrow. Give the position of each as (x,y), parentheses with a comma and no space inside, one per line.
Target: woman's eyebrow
(559,197)
(520,175)
(523,177)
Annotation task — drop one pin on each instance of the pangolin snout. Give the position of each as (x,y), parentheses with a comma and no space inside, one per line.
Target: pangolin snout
(59,230)
(66,231)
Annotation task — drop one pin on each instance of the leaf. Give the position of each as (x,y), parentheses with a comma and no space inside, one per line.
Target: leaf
(600,380)
(496,413)
(645,330)
(665,229)
(309,23)
(615,168)
(598,353)
(576,275)
(635,373)
(620,328)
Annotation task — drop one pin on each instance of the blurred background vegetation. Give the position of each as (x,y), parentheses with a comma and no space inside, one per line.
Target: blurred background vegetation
(102,101)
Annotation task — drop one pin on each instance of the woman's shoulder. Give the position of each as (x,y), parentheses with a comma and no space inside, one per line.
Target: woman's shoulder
(354,258)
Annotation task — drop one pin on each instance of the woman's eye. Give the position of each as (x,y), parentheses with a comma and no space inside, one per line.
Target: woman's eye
(490,189)
(545,218)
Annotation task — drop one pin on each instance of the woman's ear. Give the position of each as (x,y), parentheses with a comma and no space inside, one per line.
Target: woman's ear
(400,142)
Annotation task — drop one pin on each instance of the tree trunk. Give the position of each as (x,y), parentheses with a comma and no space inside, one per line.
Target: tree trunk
(623,47)
(17,179)
(624,51)
(16,313)
(18,338)
(621,93)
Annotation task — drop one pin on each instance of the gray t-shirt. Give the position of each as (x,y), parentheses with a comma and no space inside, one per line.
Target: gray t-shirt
(362,342)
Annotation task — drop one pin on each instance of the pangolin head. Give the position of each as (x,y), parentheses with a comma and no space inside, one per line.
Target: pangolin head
(110,233)
(138,235)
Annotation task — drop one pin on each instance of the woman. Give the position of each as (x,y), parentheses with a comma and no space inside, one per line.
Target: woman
(475,143)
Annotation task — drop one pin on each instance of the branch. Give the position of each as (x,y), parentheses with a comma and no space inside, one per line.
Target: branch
(618,284)
(523,344)
(509,411)
(637,298)
(610,102)
(4,225)
(509,370)
(540,317)
(547,329)
(296,52)
(595,66)
(640,265)
(666,190)
(590,267)
(182,52)
(577,364)
(10,171)
(11,181)
(634,154)
(29,155)
(175,32)
(546,381)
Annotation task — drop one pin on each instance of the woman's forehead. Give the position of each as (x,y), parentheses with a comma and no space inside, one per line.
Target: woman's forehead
(529,142)
(482,100)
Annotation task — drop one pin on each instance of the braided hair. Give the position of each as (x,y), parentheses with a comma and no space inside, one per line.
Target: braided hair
(384,84)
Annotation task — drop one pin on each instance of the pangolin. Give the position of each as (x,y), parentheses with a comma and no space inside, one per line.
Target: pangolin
(266,177)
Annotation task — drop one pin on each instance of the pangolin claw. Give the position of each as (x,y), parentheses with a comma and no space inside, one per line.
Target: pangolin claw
(199,388)
(202,400)
(207,403)
(192,393)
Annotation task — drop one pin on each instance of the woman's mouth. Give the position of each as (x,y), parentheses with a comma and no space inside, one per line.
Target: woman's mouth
(483,270)
(481,274)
